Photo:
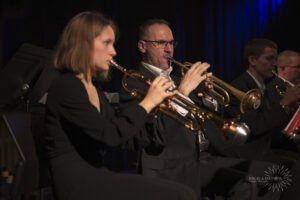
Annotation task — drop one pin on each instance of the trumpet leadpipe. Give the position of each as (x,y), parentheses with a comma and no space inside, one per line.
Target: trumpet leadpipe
(250,100)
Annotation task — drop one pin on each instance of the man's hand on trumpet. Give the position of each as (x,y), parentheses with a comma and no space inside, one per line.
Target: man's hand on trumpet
(204,87)
(193,77)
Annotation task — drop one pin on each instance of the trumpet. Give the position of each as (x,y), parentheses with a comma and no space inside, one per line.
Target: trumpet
(250,100)
(179,100)
(239,131)
(292,130)
(287,83)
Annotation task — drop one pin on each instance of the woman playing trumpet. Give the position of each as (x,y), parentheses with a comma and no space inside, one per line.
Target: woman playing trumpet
(81,125)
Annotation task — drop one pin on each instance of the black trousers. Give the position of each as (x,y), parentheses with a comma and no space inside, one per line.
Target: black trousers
(102,184)
(231,178)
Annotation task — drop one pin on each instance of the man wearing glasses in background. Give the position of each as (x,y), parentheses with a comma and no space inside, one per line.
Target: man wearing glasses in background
(288,67)
(287,82)
(260,57)
(173,151)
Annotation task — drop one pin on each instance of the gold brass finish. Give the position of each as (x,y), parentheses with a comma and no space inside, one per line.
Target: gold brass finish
(199,115)
(250,100)
(192,108)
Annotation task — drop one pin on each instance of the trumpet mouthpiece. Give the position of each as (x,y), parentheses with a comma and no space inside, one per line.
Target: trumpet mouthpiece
(112,62)
(168,56)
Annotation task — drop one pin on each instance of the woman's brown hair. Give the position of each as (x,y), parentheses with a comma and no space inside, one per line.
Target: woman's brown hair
(75,47)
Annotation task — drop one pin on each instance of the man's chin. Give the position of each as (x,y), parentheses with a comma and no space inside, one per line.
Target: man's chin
(164,67)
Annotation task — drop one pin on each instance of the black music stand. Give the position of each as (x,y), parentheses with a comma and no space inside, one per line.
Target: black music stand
(26,171)
(21,82)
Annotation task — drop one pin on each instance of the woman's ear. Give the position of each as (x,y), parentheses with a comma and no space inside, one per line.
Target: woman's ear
(141,46)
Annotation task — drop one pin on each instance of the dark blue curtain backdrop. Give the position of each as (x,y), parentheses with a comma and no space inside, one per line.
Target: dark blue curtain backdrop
(231,25)
(214,31)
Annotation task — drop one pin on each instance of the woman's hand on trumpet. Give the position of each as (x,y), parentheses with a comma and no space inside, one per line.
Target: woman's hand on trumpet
(193,77)
(157,93)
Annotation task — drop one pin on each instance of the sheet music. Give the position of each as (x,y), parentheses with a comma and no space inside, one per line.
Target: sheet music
(285,130)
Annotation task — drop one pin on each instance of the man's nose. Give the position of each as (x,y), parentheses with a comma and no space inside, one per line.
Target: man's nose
(168,47)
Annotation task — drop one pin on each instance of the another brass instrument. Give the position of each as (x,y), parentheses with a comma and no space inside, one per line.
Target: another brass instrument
(238,131)
(281,92)
(292,130)
(250,100)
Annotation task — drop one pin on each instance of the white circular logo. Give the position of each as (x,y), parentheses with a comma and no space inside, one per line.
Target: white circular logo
(278,178)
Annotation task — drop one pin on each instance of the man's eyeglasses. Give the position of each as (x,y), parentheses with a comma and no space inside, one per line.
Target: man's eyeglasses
(297,67)
(162,44)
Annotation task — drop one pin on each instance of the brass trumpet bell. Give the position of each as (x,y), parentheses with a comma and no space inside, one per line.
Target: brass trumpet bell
(237,132)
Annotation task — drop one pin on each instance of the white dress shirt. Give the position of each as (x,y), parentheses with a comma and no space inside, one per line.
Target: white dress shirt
(262,87)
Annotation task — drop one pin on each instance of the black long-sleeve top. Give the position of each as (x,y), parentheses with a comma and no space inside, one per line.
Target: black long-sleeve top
(76,129)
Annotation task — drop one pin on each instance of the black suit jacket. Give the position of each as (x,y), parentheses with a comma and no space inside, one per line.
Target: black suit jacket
(170,142)
(165,130)
(173,149)
(262,122)
(280,140)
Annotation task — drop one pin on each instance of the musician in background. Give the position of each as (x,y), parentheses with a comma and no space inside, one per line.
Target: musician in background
(260,56)
(177,153)
(81,125)
(287,84)
(288,80)
(288,67)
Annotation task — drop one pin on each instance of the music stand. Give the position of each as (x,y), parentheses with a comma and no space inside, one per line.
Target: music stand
(19,76)
(23,82)
(26,173)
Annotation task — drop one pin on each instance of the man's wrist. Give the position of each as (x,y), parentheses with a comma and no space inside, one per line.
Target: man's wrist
(183,91)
